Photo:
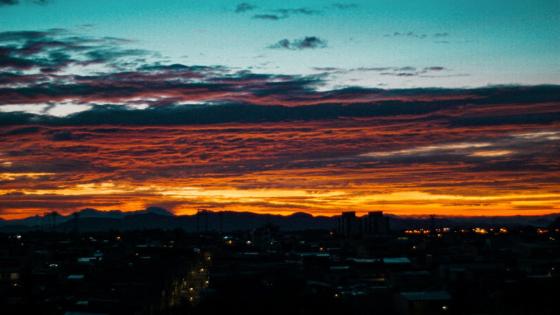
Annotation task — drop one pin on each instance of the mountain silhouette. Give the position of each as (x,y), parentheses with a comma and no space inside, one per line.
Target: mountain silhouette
(90,219)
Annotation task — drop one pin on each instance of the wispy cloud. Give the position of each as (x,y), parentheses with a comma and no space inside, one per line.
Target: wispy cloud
(409,34)
(15,2)
(406,71)
(308,42)
(280,14)
(439,37)
(344,6)
(431,149)
(244,7)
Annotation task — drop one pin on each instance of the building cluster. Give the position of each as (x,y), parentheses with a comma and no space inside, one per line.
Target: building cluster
(358,267)
(102,273)
(362,267)
(374,223)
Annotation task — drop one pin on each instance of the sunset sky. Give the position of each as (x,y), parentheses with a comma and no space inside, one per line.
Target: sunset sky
(410,107)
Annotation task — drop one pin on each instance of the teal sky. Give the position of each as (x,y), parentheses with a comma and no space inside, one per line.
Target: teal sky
(480,42)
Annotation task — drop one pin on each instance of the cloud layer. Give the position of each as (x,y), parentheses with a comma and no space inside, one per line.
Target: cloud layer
(88,122)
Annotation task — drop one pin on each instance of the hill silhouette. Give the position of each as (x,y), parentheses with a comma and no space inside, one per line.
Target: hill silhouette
(90,219)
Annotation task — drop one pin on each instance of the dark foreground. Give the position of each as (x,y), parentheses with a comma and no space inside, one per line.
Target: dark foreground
(266,271)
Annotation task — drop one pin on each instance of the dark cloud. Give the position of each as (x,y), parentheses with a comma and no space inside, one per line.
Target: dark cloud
(383,70)
(445,41)
(498,103)
(272,17)
(296,11)
(434,68)
(244,7)
(164,88)
(165,93)
(64,135)
(411,34)
(409,71)
(54,50)
(280,14)
(328,69)
(407,34)
(14,2)
(438,38)
(308,42)
(22,131)
(22,36)
(8,2)
(168,91)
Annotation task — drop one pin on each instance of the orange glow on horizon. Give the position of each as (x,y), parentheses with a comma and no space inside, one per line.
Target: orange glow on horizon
(185,200)
(320,168)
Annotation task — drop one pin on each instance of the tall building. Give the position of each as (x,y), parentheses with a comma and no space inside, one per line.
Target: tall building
(348,224)
(375,223)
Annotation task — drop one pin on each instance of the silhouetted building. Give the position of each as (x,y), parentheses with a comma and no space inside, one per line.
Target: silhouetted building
(349,224)
(375,223)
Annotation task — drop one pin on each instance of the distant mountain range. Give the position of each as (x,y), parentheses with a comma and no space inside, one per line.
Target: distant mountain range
(227,221)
